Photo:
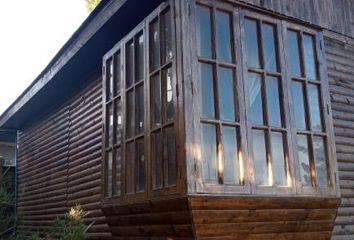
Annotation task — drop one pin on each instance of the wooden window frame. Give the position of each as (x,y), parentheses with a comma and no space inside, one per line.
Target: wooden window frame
(148,193)
(201,185)
(239,13)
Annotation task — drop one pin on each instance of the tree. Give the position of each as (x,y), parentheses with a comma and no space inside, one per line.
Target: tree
(91,4)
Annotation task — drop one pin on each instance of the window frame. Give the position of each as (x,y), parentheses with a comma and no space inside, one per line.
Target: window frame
(239,13)
(148,193)
(201,185)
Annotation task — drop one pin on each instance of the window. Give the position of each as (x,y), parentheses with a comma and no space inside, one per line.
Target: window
(140,111)
(162,97)
(218,99)
(279,94)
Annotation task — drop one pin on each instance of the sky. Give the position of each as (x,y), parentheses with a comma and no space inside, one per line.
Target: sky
(31,33)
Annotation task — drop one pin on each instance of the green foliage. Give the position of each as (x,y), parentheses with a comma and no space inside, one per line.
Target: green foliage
(91,4)
(71,226)
(6,205)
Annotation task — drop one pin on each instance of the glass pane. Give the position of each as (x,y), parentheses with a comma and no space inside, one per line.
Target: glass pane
(154,48)
(155,88)
(117,73)
(139,109)
(310,59)
(279,166)
(109,80)
(167,78)
(118,172)
(130,168)
(109,126)
(139,56)
(119,121)
(231,167)
(204,32)
(320,161)
(140,163)
(260,158)
(166,27)
(269,47)
(130,112)
(157,160)
(209,153)
(223,36)
(226,94)
(207,88)
(251,39)
(109,173)
(273,101)
(129,65)
(315,110)
(304,160)
(299,105)
(294,53)
(171,156)
(255,95)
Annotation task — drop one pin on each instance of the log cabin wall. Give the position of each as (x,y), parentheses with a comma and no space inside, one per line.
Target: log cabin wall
(60,164)
(335,15)
(340,65)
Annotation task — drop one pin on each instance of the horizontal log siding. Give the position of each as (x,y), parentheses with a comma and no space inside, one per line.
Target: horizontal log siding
(250,218)
(340,61)
(336,15)
(60,164)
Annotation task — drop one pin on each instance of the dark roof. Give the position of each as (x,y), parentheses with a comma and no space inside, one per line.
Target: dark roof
(77,61)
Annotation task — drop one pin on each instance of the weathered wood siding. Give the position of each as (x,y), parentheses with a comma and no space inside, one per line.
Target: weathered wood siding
(336,15)
(340,61)
(60,164)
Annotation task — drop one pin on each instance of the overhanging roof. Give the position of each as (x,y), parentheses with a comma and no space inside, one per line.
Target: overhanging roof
(78,60)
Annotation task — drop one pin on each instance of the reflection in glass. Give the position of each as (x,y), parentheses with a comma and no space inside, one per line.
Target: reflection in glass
(223,36)
(119,122)
(139,58)
(320,161)
(204,41)
(109,79)
(209,153)
(278,157)
(251,40)
(129,65)
(129,172)
(117,72)
(273,101)
(309,58)
(294,53)
(154,46)
(299,105)
(140,163)
(304,160)
(155,88)
(171,156)
(230,147)
(269,47)
(260,158)
(226,94)
(315,111)
(255,95)
(167,78)
(139,109)
(109,173)
(166,26)
(118,156)
(110,125)
(157,160)
(207,88)
(130,110)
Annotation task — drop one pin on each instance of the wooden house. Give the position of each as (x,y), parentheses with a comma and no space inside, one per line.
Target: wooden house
(195,119)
